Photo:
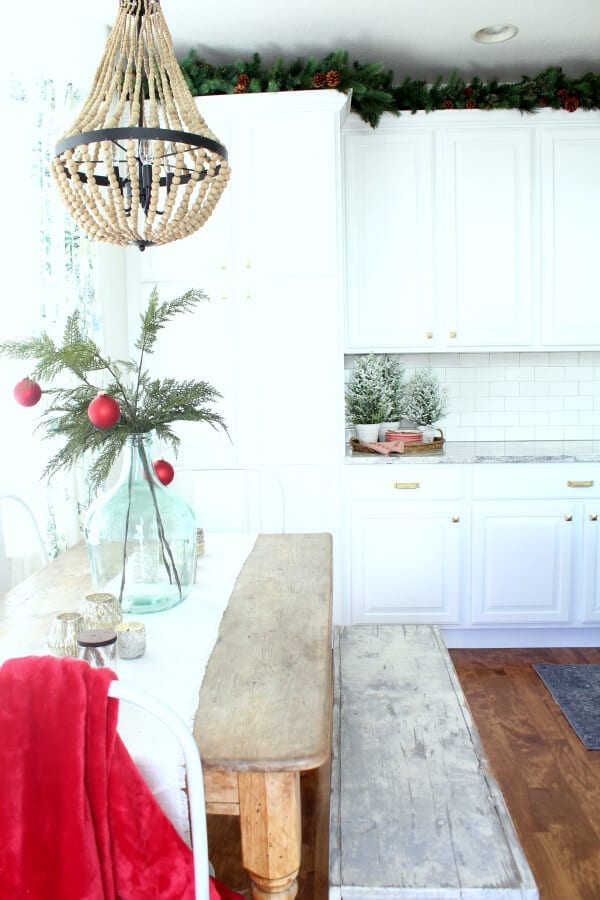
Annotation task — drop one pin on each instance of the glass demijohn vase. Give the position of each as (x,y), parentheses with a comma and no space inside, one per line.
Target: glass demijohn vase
(141,537)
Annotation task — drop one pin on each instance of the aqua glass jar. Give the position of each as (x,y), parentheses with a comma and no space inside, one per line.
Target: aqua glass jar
(141,537)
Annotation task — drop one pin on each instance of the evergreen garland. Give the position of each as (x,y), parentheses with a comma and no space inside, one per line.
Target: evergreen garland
(147,404)
(374,92)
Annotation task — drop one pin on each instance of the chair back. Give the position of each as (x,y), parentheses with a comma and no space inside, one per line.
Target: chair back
(22,549)
(195,785)
(233,499)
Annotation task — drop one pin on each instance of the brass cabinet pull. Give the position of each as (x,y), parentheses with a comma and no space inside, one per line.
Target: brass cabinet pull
(248,264)
(455,519)
(568,517)
(407,485)
(429,335)
(593,517)
(452,334)
(576,484)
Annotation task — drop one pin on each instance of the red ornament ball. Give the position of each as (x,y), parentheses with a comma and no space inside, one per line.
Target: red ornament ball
(27,392)
(164,471)
(104,411)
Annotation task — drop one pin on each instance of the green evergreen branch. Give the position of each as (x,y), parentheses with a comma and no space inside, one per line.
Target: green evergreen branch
(146,404)
(374,92)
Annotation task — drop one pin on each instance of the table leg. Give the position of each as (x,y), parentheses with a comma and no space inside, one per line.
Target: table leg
(271,832)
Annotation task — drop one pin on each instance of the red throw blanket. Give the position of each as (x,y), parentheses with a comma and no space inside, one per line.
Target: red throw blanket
(77,821)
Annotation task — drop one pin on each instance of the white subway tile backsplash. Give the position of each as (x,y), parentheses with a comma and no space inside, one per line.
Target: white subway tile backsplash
(563,358)
(549,373)
(534,388)
(474,389)
(515,396)
(579,373)
(504,359)
(563,388)
(483,374)
(504,389)
(473,360)
(519,373)
(580,403)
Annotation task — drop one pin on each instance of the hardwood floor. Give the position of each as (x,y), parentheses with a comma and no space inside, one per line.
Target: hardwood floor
(551,783)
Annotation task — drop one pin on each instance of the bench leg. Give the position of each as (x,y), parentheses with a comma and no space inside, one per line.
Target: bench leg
(271,832)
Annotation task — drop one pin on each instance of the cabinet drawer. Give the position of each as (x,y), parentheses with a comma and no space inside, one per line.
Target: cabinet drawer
(543,480)
(399,482)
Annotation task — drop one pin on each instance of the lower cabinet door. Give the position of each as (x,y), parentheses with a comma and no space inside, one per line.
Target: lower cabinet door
(407,562)
(524,561)
(591,563)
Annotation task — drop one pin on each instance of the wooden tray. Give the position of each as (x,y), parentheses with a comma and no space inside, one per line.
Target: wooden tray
(409,449)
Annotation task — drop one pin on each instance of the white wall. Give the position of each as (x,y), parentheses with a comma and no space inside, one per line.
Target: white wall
(515,396)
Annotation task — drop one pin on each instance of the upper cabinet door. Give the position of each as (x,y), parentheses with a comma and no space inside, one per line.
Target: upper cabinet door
(570,199)
(389,232)
(483,237)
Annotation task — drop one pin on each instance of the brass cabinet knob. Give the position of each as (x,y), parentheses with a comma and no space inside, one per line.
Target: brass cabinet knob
(568,517)
(593,517)
(455,519)
(224,296)
(248,264)
(452,334)
(429,335)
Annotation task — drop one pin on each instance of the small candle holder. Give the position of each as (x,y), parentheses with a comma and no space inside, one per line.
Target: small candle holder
(131,639)
(62,638)
(100,610)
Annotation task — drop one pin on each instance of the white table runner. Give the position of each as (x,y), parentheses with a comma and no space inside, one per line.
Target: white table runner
(179,642)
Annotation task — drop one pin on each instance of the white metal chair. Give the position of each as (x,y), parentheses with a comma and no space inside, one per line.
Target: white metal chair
(22,549)
(233,499)
(195,785)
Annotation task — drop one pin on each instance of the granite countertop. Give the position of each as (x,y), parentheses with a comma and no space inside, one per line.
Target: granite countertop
(489,452)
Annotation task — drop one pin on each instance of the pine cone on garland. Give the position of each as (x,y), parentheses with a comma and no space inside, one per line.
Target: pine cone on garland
(542,102)
(570,103)
(318,80)
(562,94)
(471,104)
(332,78)
(242,83)
(468,91)
(448,104)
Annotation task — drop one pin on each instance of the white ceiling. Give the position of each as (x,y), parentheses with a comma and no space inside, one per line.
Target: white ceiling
(417,38)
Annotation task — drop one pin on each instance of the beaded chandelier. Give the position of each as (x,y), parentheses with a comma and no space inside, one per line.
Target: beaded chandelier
(140,165)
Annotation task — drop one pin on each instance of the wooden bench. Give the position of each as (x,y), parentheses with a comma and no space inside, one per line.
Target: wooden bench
(415,811)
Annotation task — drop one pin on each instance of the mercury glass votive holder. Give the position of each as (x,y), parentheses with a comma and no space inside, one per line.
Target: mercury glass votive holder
(62,637)
(100,610)
(131,639)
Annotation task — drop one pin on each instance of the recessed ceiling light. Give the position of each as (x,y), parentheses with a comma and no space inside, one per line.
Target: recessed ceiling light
(493,34)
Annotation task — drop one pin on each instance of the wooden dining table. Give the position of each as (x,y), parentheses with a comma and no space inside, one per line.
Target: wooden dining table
(264,712)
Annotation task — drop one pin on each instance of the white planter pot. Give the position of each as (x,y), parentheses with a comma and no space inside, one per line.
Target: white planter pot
(367,433)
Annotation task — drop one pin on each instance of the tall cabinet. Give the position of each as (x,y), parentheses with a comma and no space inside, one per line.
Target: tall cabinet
(269,338)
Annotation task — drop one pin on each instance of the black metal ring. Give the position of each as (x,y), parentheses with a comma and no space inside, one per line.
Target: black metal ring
(160,134)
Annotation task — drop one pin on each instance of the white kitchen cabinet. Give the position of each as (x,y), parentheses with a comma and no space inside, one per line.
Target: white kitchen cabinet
(590,606)
(406,561)
(472,230)
(484,236)
(389,238)
(523,561)
(570,198)
(269,339)
(503,549)
(406,528)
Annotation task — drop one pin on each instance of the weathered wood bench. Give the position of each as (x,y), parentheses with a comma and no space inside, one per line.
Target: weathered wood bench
(415,811)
